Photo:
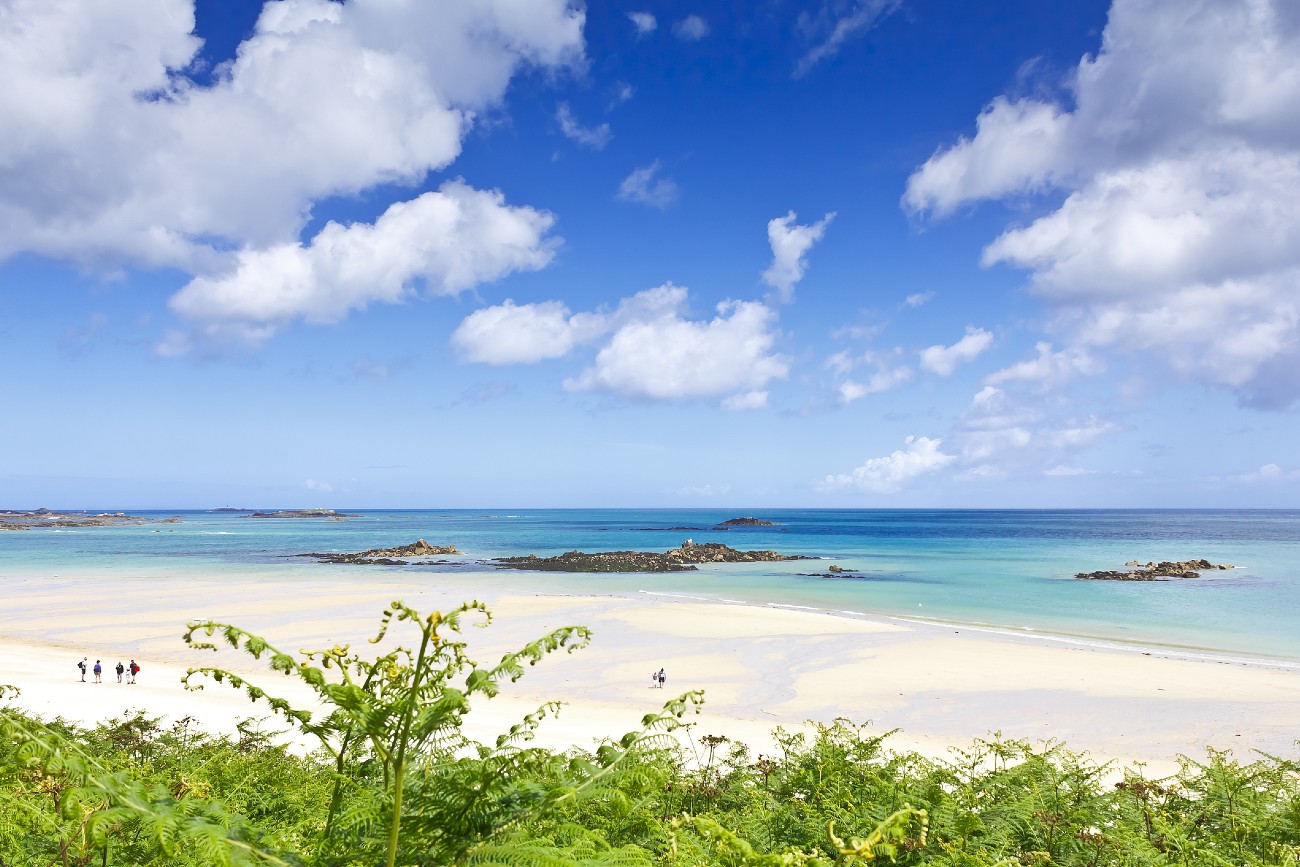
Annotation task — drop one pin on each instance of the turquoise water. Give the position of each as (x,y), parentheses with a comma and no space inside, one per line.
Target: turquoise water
(1006,569)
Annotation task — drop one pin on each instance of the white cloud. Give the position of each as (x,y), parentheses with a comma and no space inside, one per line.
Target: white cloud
(790,244)
(835,29)
(692,28)
(644,22)
(594,137)
(123,160)
(448,241)
(1080,433)
(1024,430)
(1048,368)
(916,299)
(1265,475)
(1178,160)
(524,334)
(884,379)
(650,350)
(313,485)
(944,360)
(922,455)
(658,354)
(746,401)
(644,187)
(1064,470)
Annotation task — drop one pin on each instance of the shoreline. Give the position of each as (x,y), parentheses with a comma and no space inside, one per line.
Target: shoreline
(943,684)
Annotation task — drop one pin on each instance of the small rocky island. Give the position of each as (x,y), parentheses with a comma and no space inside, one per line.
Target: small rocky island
(747,522)
(399,556)
(1162,571)
(38,518)
(681,559)
(835,572)
(304,513)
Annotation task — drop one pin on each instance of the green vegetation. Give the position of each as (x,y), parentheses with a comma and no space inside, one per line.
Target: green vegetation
(394,781)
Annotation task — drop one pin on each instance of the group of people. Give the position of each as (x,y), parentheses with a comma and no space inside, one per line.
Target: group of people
(658,679)
(129,671)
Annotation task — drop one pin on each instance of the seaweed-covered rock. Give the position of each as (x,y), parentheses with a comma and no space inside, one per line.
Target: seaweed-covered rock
(747,522)
(37,518)
(681,559)
(386,556)
(1162,571)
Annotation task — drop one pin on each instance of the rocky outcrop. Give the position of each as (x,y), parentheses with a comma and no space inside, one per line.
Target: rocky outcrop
(1162,571)
(747,522)
(37,518)
(304,513)
(836,572)
(399,556)
(681,559)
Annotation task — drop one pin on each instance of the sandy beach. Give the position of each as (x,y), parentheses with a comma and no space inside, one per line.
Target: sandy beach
(760,667)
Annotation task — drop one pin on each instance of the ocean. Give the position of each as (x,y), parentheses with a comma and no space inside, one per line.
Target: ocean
(987,569)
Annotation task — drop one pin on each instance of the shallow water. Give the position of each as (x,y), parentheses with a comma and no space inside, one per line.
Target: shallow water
(1007,569)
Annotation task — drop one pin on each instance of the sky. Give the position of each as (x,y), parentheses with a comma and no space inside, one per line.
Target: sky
(836,253)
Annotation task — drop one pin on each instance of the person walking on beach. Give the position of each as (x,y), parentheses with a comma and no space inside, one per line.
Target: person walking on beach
(133,669)
(82,665)
(99,669)
(120,668)
(662,678)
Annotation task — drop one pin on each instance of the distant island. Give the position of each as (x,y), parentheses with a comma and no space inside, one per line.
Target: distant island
(398,556)
(747,522)
(1161,571)
(224,509)
(304,513)
(681,559)
(46,518)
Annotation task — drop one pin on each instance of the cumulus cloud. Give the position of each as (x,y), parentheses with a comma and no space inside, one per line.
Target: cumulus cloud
(523,334)
(890,473)
(644,22)
(916,299)
(833,27)
(659,354)
(594,137)
(645,187)
(944,360)
(790,245)
(650,349)
(447,240)
(692,28)
(1177,232)
(125,160)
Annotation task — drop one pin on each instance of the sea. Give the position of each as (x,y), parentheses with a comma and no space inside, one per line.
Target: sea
(1005,571)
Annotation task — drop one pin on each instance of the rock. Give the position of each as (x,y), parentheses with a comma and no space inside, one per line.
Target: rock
(1161,571)
(386,556)
(834,569)
(681,559)
(11,520)
(303,513)
(747,522)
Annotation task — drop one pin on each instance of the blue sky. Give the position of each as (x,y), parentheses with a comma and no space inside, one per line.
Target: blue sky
(863,253)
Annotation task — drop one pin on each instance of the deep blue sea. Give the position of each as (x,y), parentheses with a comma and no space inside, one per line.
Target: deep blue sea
(1004,569)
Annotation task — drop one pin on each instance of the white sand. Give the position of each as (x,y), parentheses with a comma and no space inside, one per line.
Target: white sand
(759,666)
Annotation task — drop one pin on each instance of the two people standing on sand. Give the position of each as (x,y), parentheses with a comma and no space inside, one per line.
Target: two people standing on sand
(658,679)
